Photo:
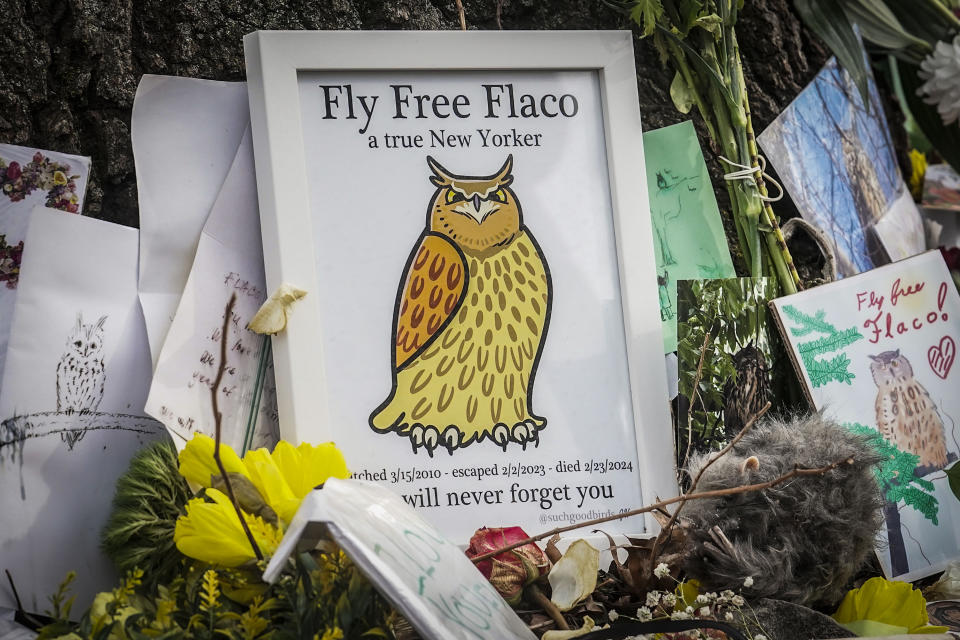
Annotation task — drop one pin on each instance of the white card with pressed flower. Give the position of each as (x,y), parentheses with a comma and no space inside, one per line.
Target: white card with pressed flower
(30,178)
(425,576)
(877,351)
(71,404)
(229,260)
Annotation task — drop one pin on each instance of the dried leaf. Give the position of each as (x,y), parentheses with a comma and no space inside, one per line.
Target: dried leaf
(552,552)
(574,577)
(272,316)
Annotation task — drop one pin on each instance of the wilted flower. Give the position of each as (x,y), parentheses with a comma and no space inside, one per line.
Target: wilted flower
(941,70)
(509,572)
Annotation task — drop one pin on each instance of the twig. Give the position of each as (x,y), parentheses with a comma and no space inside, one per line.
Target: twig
(693,399)
(463,19)
(716,493)
(666,530)
(218,423)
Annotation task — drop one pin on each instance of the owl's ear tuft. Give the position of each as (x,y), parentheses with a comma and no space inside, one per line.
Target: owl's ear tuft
(874,358)
(896,354)
(79,320)
(504,177)
(101,321)
(441,177)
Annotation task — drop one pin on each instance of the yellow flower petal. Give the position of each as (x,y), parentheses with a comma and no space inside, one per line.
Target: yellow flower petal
(269,480)
(197,463)
(309,466)
(211,532)
(892,603)
(59,178)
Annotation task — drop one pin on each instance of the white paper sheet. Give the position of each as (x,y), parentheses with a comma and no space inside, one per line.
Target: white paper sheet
(229,260)
(58,469)
(185,134)
(28,178)
(424,575)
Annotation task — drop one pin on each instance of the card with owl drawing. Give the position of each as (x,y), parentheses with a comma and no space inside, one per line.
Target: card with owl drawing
(71,403)
(877,352)
(477,333)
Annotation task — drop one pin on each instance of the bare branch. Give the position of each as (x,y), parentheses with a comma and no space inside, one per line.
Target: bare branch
(717,493)
(218,424)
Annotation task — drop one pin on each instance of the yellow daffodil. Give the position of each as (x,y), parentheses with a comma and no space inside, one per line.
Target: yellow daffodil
(282,477)
(885,608)
(198,466)
(287,475)
(59,178)
(211,532)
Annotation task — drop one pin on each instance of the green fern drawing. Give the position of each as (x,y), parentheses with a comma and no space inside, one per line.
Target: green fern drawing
(822,370)
(896,475)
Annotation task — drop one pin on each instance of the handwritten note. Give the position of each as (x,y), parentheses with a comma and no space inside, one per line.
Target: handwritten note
(424,575)
(876,351)
(229,261)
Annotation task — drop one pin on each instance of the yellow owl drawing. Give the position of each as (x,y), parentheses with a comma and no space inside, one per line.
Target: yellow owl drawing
(470,320)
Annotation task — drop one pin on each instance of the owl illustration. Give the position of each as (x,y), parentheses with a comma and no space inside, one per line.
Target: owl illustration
(80,374)
(470,319)
(906,416)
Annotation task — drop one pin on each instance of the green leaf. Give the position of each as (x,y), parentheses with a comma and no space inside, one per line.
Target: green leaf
(829,21)
(681,94)
(880,26)
(953,477)
(646,13)
(711,23)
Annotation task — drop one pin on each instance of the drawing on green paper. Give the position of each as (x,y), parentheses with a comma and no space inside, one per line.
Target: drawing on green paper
(688,236)
(822,370)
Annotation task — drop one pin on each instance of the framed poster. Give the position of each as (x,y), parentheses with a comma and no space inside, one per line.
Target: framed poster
(469,216)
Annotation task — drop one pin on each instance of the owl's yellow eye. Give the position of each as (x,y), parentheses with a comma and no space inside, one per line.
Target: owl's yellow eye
(895,364)
(499,195)
(453,196)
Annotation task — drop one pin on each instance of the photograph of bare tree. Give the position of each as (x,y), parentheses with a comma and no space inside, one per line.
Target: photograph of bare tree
(836,159)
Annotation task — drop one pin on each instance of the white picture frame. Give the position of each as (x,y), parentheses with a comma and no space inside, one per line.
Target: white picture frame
(275,63)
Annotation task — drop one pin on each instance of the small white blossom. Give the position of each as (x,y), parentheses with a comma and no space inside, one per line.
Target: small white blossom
(644,614)
(748,582)
(941,72)
(679,615)
(704,612)
(653,598)
(669,600)
(689,610)
(613,615)
(737,601)
(702,599)
(662,570)
(759,636)
(726,593)
(728,616)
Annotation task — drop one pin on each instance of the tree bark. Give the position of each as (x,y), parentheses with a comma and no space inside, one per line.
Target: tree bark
(70,68)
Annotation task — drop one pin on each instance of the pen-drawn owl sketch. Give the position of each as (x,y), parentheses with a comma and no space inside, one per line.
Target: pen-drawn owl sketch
(470,320)
(906,415)
(80,374)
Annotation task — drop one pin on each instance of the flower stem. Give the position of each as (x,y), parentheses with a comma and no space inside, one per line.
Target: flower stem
(534,593)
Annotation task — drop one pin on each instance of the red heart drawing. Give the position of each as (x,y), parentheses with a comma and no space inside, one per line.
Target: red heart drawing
(941,356)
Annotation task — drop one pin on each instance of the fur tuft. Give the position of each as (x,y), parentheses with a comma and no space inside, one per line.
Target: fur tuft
(801,541)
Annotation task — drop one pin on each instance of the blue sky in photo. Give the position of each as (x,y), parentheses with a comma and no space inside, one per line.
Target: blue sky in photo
(810,131)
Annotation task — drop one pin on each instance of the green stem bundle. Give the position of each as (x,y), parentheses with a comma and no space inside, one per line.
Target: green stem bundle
(698,38)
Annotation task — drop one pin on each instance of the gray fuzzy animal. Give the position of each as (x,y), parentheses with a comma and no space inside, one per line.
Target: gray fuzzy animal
(800,541)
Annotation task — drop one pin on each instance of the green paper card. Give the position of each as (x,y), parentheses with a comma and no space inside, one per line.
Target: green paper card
(688,236)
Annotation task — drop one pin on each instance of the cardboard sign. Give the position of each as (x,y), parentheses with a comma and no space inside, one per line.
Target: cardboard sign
(877,352)
(424,575)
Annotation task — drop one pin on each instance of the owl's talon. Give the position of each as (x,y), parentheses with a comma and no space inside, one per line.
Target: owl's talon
(416,436)
(501,435)
(521,434)
(430,439)
(451,438)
